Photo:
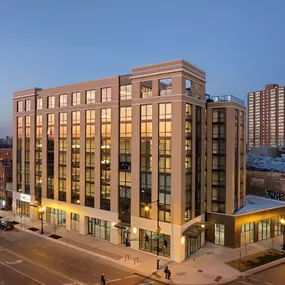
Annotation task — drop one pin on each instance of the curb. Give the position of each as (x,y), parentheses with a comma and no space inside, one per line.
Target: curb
(136,271)
(263,267)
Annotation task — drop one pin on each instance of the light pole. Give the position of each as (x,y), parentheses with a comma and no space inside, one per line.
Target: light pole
(147,208)
(41,211)
(283,230)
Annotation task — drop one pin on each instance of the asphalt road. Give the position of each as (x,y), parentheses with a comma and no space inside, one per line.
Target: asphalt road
(272,276)
(26,259)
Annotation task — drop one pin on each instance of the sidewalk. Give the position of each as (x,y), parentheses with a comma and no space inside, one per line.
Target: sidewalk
(206,266)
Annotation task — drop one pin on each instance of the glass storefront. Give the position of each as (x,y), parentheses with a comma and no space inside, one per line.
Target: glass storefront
(23,208)
(99,228)
(150,246)
(247,233)
(55,216)
(75,222)
(278,226)
(191,245)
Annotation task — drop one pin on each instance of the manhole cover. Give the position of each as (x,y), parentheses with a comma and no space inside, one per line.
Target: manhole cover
(199,270)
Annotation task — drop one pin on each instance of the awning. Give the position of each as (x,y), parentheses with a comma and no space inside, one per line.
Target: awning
(196,229)
(122,225)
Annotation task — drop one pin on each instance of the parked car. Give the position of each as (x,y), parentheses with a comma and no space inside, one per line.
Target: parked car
(6,226)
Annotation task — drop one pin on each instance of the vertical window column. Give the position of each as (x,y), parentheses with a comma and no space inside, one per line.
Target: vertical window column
(145,159)
(125,164)
(242,154)
(164,158)
(39,148)
(62,156)
(27,153)
(50,157)
(19,152)
(188,163)
(90,158)
(105,191)
(75,158)
(198,148)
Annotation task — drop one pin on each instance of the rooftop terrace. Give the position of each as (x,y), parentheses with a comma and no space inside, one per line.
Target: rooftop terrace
(227,98)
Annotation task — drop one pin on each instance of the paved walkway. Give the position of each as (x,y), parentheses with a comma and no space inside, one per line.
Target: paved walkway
(206,266)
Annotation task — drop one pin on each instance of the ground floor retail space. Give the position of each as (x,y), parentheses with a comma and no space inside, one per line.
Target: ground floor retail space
(247,226)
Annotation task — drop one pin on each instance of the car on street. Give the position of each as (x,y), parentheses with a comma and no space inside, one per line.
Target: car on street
(6,225)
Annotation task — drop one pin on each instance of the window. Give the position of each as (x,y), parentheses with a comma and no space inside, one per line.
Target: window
(106,94)
(99,228)
(90,96)
(220,234)
(146,89)
(150,246)
(75,98)
(165,87)
(75,222)
(126,92)
(278,226)
(264,229)
(51,102)
(28,105)
(39,103)
(165,111)
(188,87)
(63,100)
(19,106)
(247,233)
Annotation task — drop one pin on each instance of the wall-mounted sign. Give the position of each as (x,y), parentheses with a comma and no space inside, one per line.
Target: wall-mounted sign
(25,198)
(271,194)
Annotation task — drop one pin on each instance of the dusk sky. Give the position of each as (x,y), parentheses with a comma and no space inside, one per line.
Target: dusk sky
(43,43)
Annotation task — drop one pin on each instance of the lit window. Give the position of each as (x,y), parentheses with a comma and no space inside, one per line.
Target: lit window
(39,103)
(28,105)
(126,92)
(106,94)
(75,98)
(51,102)
(90,96)
(19,106)
(63,100)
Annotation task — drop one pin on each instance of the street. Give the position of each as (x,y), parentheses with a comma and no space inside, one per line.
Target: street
(272,276)
(26,259)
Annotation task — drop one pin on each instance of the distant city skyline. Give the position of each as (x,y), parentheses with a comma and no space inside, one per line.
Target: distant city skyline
(42,45)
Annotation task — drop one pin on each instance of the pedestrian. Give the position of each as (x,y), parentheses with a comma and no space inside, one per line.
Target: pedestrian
(166,271)
(168,274)
(103,280)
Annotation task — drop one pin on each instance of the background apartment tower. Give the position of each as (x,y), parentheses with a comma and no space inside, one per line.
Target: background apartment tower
(266,117)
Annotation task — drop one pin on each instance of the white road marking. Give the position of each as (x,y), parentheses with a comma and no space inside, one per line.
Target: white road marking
(61,260)
(254,279)
(15,262)
(132,276)
(114,280)
(246,283)
(71,265)
(81,269)
(268,283)
(22,273)
(9,238)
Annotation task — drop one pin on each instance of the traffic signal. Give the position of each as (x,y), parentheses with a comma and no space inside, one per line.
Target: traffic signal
(127,242)
(146,238)
(165,244)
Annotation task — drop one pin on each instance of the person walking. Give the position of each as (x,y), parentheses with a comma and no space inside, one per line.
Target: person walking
(166,271)
(168,274)
(103,280)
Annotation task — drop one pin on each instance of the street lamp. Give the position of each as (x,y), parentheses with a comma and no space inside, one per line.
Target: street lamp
(283,229)
(147,208)
(41,211)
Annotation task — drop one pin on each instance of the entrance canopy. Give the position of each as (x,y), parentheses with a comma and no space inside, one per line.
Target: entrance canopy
(122,225)
(196,229)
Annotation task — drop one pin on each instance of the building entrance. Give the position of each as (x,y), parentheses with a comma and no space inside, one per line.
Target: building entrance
(192,245)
